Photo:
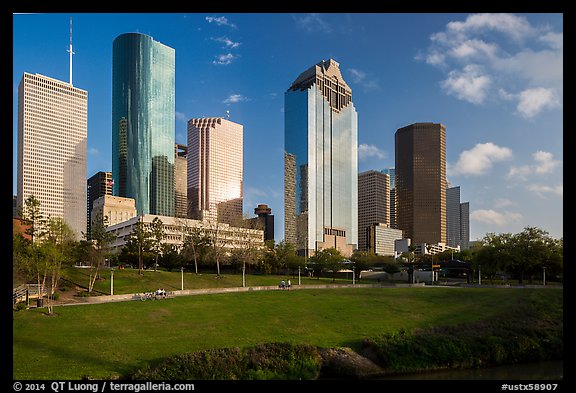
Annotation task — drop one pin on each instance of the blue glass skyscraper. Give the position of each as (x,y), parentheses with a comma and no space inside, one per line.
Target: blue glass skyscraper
(321,162)
(143,128)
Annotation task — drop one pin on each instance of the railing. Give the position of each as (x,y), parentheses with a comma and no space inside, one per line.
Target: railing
(25,292)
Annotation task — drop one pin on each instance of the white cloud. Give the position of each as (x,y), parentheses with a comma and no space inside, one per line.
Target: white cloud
(220,21)
(468,85)
(234,98)
(313,23)
(513,26)
(493,217)
(500,56)
(93,151)
(503,202)
(228,43)
(180,116)
(554,40)
(479,159)
(367,151)
(225,59)
(360,77)
(541,190)
(533,101)
(545,163)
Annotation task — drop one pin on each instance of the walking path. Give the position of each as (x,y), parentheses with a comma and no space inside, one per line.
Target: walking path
(75,300)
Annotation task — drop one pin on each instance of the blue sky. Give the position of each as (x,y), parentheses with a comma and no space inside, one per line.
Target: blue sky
(494,80)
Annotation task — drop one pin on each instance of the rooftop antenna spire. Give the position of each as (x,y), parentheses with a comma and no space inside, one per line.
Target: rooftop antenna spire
(70,51)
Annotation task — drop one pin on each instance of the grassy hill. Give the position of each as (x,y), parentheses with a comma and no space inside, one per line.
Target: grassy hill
(111,340)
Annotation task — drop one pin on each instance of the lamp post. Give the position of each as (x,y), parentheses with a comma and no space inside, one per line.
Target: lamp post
(353,275)
(479,276)
(298,275)
(544,276)
(182,277)
(112,281)
(244,275)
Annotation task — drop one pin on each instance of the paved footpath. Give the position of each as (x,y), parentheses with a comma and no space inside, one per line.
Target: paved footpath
(206,291)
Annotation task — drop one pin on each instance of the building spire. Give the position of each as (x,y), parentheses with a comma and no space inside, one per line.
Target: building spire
(70,51)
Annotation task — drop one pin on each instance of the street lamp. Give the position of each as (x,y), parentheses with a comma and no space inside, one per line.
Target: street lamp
(244,275)
(479,275)
(112,281)
(544,276)
(298,275)
(182,277)
(353,276)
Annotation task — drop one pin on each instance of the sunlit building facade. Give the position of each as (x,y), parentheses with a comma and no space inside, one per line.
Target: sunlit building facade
(321,161)
(215,170)
(373,204)
(143,123)
(180,180)
(52,133)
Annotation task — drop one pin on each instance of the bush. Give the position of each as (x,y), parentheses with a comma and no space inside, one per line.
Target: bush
(261,362)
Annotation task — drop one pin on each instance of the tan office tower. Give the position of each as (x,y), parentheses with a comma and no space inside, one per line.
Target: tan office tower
(52,131)
(215,167)
(420,151)
(373,203)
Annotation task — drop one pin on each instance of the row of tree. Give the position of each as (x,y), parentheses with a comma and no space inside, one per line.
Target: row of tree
(522,255)
(51,243)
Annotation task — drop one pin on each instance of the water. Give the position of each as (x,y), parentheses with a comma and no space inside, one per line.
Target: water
(549,370)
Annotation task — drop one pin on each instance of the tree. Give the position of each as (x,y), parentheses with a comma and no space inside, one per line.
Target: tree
(327,259)
(284,253)
(101,240)
(157,236)
(32,216)
(363,260)
(56,248)
(217,242)
(195,245)
(526,253)
(140,239)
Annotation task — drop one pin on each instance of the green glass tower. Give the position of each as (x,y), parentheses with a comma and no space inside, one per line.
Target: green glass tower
(143,129)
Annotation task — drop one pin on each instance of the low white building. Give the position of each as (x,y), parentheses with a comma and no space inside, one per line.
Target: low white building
(175,230)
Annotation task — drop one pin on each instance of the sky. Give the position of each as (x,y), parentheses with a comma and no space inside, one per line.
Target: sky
(494,80)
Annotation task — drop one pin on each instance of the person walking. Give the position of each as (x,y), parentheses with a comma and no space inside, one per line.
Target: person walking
(282,284)
(289,284)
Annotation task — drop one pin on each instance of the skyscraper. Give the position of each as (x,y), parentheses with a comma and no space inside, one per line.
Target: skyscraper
(453,222)
(321,161)
(465,225)
(180,180)
(52,132)
(143,105)
(392,205)
(98,185)
(373,203)
(420,154)
(215,169)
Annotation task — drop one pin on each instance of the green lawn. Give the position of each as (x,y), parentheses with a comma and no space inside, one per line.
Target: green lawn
(130,281)
(108,340)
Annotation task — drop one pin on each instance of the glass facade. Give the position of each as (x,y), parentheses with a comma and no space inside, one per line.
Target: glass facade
(143,123)
(321,144)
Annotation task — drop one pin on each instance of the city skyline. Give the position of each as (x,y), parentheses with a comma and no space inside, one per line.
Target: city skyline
(495,81)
